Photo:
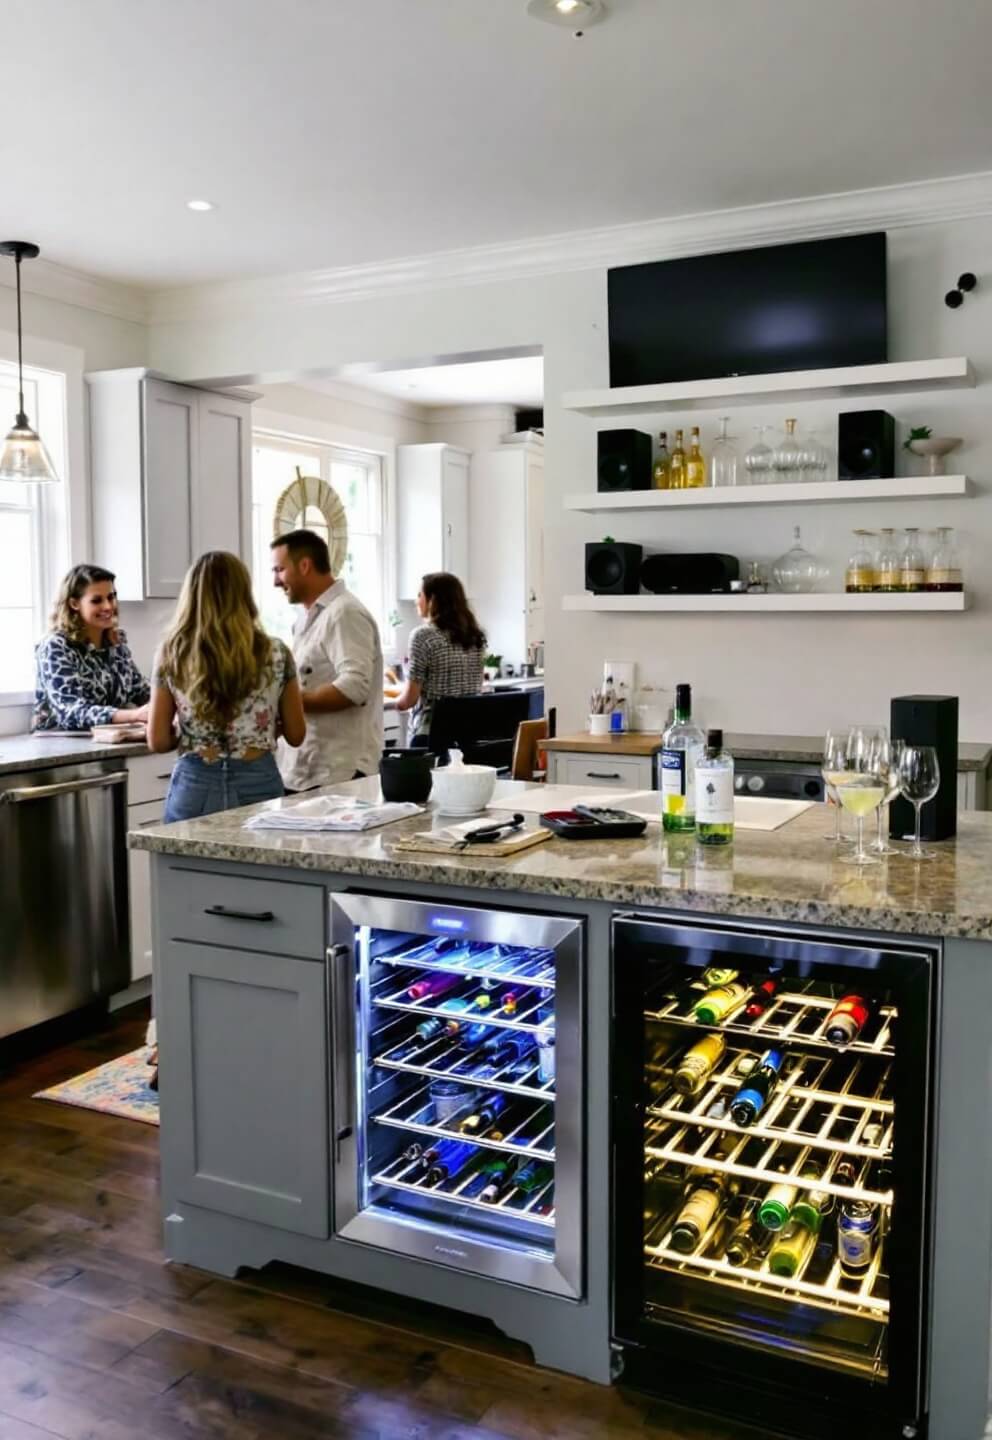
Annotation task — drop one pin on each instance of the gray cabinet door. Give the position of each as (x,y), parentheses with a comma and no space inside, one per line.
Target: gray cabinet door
(243,1085)
(170,467)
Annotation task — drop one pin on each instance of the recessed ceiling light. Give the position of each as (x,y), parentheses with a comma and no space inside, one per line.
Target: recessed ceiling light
(573,13)
(199,204)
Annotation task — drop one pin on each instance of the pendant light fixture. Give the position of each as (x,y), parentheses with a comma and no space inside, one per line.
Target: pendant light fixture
(25,459)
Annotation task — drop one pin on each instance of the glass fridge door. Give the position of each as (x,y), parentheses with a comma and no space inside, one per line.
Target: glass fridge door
(772,1140)
(457,1086)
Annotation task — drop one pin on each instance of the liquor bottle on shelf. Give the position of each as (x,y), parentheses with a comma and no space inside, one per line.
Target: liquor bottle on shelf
(695,465)
(451,1156)
(698,1064)
(502,1049)
(858,1235)
(717,1004)
(847,1020)
(498,1178)
(715,792)
(776,1207)
(661,473)
(792,1248)
(432,987)
(812,1204)
(681,746)
(753,1095)
(533,1176)
(484,1116)
(704,1199)
(676,465)
(764,994)
(750,1241)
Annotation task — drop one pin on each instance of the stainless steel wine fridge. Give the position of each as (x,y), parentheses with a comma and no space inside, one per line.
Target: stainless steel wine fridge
(457,1087)
(772,1142)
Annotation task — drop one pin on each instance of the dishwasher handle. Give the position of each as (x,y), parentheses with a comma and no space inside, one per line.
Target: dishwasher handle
(339,970)
(63,787)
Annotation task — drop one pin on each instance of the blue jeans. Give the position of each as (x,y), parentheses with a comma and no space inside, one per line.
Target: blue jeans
(197,788)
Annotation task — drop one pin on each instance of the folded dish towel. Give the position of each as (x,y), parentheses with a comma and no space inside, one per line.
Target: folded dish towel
(332,812)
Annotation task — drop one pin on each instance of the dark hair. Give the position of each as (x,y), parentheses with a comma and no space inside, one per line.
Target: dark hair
(74,586)
(451,612)
(306,545)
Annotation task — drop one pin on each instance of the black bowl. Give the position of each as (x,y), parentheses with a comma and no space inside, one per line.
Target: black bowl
(406,774)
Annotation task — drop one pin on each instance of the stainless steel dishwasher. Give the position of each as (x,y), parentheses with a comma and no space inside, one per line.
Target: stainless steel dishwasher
(63,890)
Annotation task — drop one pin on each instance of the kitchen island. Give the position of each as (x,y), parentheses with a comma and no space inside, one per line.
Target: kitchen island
(268,1111)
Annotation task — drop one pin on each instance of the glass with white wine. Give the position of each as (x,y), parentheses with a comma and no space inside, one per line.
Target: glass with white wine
(834,771)
(862,784)
(891,751)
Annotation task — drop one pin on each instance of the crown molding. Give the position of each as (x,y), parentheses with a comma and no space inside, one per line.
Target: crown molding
(74,287)
(890,207)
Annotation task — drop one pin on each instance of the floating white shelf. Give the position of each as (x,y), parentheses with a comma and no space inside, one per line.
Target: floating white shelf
(914,487)
(839,382)
(773,604)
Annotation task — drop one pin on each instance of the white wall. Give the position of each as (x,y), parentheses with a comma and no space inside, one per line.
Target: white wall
(473,427)
(791,675)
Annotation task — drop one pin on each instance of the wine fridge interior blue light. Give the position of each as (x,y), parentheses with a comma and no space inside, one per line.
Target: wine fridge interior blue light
(772,1132)
(459,1139)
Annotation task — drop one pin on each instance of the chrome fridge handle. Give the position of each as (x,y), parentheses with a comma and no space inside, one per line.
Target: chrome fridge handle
(63,787)
(339,971)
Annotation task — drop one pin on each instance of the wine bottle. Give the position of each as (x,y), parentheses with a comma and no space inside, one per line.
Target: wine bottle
(661,473)
(499,1178)
(533,1176)
(791,1250)
(698,1063)
(432,987)
(752,1097)
(450,1157)
(715,793)
(764,994)
(677,465)
(695,465)
(698,1213)
(484,1116)
(681,746)
(717,1004)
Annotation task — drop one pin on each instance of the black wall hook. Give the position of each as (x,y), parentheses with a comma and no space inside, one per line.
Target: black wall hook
(967,282)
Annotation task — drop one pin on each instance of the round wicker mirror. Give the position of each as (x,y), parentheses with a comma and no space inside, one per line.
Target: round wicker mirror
(309,503)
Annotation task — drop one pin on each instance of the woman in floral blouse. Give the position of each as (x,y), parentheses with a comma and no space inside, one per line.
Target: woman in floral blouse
(85,673)
(231,689)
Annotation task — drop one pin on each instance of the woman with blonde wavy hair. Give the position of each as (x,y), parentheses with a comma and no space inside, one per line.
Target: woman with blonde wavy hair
(228,688)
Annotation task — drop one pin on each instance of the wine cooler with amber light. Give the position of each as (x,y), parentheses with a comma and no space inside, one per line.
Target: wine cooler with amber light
(771,1172)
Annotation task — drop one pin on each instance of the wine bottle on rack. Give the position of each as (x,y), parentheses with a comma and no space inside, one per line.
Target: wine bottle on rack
(432,987)
(717,1004)
(847,1020)
(484,1117)
(533,1176)
(792,1248)
(499,1175)
(450,1159)
(698,1213)
(502,1049)
(509,1001)
(698,1064)
(776,1207)
(812,1204)
(474,1036)
(750,1241)
(763,996)
(753,1095)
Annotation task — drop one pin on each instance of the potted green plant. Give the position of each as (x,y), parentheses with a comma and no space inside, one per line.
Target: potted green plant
(491,666)
(922,441)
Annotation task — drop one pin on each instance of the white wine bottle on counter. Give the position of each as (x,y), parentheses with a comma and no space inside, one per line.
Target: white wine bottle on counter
(715,792)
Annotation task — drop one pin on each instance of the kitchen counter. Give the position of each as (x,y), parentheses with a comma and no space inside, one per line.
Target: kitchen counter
(791,874)
(803,749)
(37,752)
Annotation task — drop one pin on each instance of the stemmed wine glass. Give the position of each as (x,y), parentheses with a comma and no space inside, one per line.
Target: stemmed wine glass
(890,758)
(833,770)
(861,787)
(919,780)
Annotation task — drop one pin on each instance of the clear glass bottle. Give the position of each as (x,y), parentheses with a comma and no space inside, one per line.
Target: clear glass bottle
(788,455)
(695,465)
(757,584)
(661,474)
(676,466)
(888,562)
(797,571)
(758,460)
(681,746)
(944,569)
(715,792)
(723,461)
(861,576)
(912,562)
(817,457)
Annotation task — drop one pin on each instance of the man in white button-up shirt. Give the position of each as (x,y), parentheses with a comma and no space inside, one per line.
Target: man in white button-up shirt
(339,658)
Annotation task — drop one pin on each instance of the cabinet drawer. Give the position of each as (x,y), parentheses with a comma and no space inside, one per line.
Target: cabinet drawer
(272,916)
(630,772)
(148,778)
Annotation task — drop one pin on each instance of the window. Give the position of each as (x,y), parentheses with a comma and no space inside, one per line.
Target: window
(33,532)
(356,476)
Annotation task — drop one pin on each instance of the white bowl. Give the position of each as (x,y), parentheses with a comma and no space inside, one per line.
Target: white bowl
(463,789)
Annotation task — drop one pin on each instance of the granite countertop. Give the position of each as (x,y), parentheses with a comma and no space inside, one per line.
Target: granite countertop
(40,752)
(791,874)
(803,749)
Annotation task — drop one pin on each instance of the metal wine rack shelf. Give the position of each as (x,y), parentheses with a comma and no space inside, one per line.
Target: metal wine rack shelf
(388,996)
(393,1178)
(404,1116)
(437,1057)
(790,1017)
(474,971)
(792,1126)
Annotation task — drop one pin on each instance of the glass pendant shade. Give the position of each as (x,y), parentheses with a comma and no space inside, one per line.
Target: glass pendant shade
(25,459)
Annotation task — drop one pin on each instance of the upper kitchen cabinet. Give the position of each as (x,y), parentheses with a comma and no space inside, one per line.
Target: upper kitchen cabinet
(432,489)
(506,562)
(171,468)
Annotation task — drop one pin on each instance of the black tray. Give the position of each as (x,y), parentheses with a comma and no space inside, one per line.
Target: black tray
(593,822)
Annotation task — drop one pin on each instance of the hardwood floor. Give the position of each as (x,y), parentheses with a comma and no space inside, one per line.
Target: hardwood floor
(100,1340)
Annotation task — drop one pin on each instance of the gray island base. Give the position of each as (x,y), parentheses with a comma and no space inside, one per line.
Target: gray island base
(275,1113)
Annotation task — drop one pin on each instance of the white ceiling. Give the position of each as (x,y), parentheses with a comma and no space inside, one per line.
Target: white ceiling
(518,381)
(337,132)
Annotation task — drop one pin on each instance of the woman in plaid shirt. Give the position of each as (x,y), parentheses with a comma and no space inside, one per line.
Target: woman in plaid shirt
(447,652)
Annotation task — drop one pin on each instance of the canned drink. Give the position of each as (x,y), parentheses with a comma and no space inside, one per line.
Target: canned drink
(858,1228)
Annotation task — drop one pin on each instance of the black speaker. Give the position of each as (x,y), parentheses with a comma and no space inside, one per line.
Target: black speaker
(624,460)
(928,720)
(613,568)
(689,574)
(866,445)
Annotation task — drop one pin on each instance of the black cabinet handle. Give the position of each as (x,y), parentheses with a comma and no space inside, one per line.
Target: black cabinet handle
(603,775)
(225,914)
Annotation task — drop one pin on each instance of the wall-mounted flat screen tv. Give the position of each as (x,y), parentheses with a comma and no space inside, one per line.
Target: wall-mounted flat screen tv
(809,306)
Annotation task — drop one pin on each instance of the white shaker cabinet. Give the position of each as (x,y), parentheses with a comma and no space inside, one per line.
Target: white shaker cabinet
(433,508)
(506,561)
(171,477)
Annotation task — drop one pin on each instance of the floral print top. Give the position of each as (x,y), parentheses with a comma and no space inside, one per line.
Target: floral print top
(80,685)
(253,726)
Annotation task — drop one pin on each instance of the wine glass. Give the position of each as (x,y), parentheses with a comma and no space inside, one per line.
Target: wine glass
(890,757)
(833,770)
(861,787)
(919,780)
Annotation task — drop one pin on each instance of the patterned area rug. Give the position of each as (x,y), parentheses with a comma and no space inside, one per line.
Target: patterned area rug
(118,1088)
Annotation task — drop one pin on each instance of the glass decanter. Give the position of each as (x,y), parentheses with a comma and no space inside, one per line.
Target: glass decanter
(816,457)
(758,460)
(797,571)
(944,569)
(788,456)
(861,576)
(912,562)
(888,563)
(723,460)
